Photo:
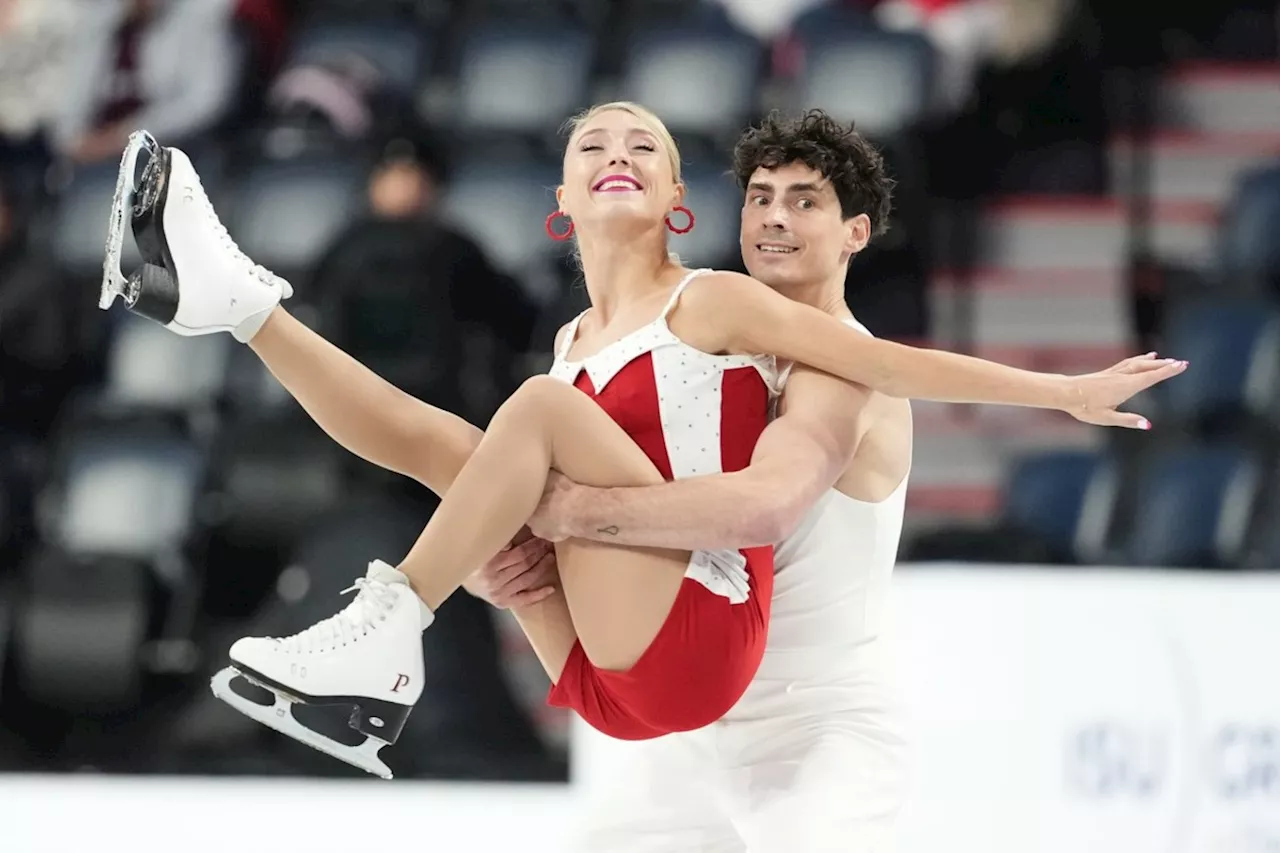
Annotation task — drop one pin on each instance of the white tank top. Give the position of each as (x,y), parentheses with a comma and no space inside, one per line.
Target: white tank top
(831,586)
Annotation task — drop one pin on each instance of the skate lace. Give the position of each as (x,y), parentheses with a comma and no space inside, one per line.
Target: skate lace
(373,601)
(263,274)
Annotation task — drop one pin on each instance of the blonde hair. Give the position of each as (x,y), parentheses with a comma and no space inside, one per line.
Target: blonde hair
(646,116)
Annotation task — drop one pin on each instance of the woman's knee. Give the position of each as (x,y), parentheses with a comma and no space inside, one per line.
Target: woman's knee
(540,394)
(544,389)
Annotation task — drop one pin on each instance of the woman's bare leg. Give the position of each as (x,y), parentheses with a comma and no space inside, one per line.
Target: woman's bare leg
(618,597)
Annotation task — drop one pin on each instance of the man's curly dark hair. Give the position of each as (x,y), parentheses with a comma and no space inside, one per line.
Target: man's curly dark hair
(839,153)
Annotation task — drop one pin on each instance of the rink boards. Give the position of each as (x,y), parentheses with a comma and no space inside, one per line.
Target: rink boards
(1054,710)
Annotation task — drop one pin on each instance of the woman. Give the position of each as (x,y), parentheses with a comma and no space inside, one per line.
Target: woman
(640,642)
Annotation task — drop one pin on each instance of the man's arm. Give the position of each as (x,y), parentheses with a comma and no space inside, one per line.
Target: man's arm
(798,457)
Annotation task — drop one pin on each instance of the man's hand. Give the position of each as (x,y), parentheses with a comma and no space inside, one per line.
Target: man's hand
(523,574)
(552,519)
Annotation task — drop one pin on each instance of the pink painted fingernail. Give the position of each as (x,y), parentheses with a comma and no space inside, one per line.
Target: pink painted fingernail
(1144,424)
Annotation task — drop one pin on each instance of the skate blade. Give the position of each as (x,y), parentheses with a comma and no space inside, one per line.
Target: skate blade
(278,717)
(128,185)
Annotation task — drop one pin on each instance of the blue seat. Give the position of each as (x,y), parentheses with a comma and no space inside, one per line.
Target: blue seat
(504,206)
(397,52)
(1192,508)
(830,18)
(883,81)
(701,80)
(285,214)
(522,79)
(1046,493)
(716,201)
(1234,349)
(1249,253)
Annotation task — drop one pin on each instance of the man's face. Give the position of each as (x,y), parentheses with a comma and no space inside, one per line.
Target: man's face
(793,232)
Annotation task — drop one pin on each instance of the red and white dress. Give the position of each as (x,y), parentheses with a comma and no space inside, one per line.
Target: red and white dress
(692,413)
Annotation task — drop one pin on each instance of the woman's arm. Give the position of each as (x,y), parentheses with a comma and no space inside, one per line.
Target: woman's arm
(731,312)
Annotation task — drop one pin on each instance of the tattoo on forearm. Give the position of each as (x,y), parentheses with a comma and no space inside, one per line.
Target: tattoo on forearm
(611,530)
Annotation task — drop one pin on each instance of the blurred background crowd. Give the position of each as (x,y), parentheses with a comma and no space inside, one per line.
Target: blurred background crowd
(1079,180)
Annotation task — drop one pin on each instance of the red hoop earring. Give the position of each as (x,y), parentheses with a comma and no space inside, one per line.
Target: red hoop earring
(687,212)
(551,230)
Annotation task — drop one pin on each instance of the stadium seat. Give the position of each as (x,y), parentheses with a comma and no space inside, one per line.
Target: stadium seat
(1234,349)
(112,594)
(151,367)
(80,631)
(126,488)
(1249,253)
(271,479)
(1045,497)
(504,206)
(521,79)
(716,201)
(831,17)
(702,80)
(398,52)
(285,214)
(883,81)
(1192,508)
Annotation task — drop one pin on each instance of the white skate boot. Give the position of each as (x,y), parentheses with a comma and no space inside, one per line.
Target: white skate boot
(194,279)
(368,656)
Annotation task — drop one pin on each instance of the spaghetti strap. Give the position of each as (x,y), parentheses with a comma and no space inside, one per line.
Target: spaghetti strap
(675,294)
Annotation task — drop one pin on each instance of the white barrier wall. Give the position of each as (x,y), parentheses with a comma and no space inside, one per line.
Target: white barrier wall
(1055,711)
(1099,711)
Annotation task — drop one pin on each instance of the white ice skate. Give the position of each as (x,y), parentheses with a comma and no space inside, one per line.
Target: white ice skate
(368,656)
(194,280)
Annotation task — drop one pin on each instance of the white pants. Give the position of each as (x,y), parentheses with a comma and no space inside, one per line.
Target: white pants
(829,783)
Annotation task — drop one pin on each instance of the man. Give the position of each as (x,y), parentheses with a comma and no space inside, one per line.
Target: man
(812,757)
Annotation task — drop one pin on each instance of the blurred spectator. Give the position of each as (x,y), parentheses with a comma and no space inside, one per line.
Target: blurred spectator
(35,39)
(970,33)
(394,278)
(170,66)
(1035,123)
